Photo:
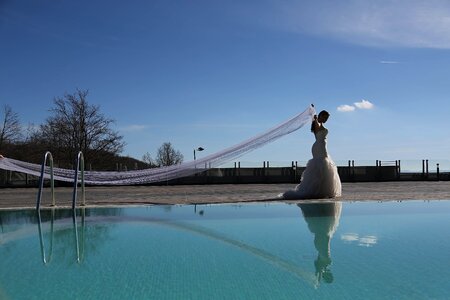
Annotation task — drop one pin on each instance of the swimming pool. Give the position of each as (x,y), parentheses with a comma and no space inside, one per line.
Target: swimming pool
(370,250)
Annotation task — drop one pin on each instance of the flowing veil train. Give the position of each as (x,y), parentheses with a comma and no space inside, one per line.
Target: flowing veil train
(167,173)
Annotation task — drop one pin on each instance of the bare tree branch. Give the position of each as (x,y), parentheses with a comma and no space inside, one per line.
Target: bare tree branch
(75,125)
(10,129)
(168,156)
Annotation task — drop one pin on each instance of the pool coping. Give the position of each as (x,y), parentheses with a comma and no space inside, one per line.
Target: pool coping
(25,198)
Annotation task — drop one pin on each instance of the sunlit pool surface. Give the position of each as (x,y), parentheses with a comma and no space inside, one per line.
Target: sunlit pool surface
(389,250)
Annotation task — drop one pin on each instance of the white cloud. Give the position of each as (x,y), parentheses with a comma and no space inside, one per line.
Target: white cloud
(345,108)
(389,62)
(381,23)
(364,104)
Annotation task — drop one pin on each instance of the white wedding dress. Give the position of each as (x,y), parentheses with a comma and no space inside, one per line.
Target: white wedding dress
(320,178)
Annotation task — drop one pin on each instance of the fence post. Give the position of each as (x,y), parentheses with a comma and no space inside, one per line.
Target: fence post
(437,171)
(353,170)
(423,168)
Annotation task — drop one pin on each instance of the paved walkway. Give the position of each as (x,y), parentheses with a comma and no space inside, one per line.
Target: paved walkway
(197,194)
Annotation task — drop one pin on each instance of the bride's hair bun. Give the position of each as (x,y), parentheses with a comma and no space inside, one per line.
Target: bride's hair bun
(324,113)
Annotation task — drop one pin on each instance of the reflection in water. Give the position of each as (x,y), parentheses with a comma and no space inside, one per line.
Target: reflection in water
(46,259)
(322,220)
(364,241)
(212,234)
(75,233)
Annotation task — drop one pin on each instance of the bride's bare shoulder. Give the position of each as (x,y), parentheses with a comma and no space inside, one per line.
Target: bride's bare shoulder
(318,127)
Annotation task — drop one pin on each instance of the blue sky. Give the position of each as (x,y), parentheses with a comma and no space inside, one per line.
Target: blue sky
(213,73)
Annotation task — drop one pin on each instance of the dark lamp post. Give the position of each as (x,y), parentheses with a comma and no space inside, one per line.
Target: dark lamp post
(198,149)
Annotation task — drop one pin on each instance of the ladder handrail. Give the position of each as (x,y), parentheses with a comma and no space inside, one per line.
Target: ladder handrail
(41,180)
(75,232)
(79,248)
(79,168)
(46,259)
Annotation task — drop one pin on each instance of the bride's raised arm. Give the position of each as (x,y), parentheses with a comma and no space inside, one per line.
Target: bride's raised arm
(315,125)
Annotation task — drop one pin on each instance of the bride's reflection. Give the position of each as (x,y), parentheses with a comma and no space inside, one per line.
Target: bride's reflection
(322,220)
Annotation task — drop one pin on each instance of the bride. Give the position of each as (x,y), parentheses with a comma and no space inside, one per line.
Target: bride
(320,178)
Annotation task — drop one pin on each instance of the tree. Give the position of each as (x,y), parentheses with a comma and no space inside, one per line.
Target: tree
(75,125)
(147,158)
(10,130)
(168,156)
(33,133)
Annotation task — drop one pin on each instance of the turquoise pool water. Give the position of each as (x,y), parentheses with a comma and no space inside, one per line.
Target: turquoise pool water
(389,250)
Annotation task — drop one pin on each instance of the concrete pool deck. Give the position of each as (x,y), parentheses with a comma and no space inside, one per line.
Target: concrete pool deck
(226,193)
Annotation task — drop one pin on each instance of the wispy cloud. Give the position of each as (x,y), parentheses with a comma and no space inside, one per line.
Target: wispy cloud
(133,128)
(345,108)
(363,104)
(389,62)
(224,125)
(381,23)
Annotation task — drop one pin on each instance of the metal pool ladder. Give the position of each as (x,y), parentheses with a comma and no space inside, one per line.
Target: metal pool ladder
(41,180)
(79,169)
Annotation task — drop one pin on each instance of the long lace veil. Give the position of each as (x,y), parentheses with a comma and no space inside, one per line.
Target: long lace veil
(167,173)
